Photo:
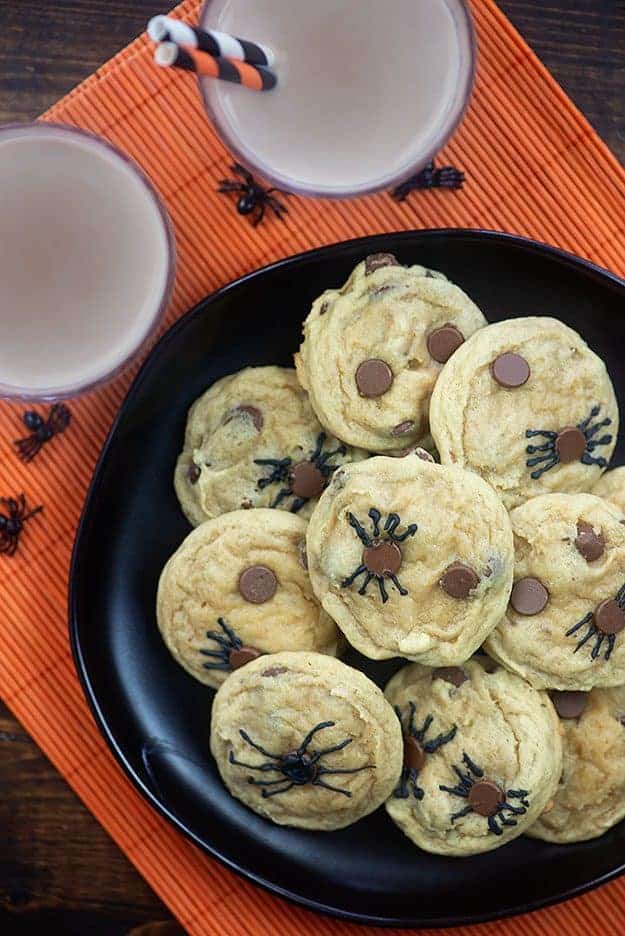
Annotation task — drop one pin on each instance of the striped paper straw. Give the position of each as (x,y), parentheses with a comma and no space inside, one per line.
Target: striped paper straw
(190,59)
(219,44)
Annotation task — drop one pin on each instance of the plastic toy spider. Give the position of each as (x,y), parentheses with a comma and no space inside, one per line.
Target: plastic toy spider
(447,177)
(41,430)
(607,620)
(415,751)
(381,557)
(303,480)
(232,653)
(485,797)
(12,522)
(573,443)
(253,199)
(298,767)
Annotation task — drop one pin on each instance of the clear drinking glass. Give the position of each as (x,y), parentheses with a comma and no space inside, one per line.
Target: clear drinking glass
(368,91)
(86,264)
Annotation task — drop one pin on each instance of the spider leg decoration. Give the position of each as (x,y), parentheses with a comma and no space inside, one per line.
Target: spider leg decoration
(446,177)
(485,798)
(254,199)
(593,630)
(547,455)
(381,557)
(227,642)
(415,750)
(41,430)
(303,480)
(298,767)
(12,523)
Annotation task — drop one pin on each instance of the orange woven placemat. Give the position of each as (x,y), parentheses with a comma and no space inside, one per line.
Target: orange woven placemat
(534,167)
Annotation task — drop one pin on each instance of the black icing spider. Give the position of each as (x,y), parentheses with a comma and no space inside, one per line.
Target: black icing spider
(303,480)
(254,198)
(415,751)
(485,797)
(574,443)
(446,177)
(298,767)
(231,654)
(381,557)
(607,620)
(12,522)
(41,430)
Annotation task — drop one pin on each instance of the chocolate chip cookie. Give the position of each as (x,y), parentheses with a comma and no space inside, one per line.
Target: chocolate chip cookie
(612,487)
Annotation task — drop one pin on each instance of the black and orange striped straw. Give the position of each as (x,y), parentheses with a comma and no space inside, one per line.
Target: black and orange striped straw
(257,77)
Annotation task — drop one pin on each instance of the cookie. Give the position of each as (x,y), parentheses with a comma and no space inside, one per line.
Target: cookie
(252,440)
(411,558)
(565,625)
(305,740)
(482,756)
(611,486)
(372,351)
(236,588)
(529,407)
(591,796)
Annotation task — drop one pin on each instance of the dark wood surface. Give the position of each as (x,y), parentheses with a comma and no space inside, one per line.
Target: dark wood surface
(59,871)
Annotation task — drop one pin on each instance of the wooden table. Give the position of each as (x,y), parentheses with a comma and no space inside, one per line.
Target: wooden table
(58,868)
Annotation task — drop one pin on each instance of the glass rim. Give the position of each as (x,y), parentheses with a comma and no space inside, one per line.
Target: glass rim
(66,391)
(456,114)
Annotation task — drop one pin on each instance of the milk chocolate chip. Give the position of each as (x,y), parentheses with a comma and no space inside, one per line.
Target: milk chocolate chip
(306,480)
(455,675)
(375,261)
(414,755)
(373,378)
(443,341)
(382,559)
(252,411)
(193,474)
(459,580)
(529,596)
(570,444)
(257,584)
(609,617)
(569,704)
(485,797)
(243,655)
(589,544)
(510,370)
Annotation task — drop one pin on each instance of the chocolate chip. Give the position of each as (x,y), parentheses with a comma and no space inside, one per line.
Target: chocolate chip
(257,584)
(244,410)
(275,671)
(529,596)
(303,556)
(414,755)
(569,704)
(459,580)
(306,480)
(375,261)
(488,664)
(243,655)
(193,474)
(403,428)
(589,544)
(246,505)
(324,308)
(609,617)
(485,797)
(382,559)
(443,341)
(424,455)
(455,675)
(510,370)
(373,377)
(570,444)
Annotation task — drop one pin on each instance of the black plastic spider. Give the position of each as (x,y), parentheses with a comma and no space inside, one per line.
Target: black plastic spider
(429,178)
(41,430)
(381,557)
(232,653)
(485,797)
(573,443)
(303,480)
(607,620)
(415,751)
(12,522)
(298,767)
(254,198)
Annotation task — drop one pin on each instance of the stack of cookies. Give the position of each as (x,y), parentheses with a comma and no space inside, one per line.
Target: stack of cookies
(422,486)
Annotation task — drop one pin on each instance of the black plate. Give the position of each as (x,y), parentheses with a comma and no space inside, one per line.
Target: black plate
(155,717)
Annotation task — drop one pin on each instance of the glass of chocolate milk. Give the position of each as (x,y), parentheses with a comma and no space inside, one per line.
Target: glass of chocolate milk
(86,260)
(368,90)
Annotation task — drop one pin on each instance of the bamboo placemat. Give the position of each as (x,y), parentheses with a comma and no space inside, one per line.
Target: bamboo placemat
(534,166)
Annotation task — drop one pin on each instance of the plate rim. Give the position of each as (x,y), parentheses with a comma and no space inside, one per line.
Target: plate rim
(479,234)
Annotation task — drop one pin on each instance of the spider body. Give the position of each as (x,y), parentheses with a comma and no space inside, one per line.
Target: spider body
(297,767)
(604,623)
(382,556)
(301,480)
(416,749)
(429,178)
(231,653)
(572,443)
(253,199)
(41,430)
(485,798)
(12,522)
